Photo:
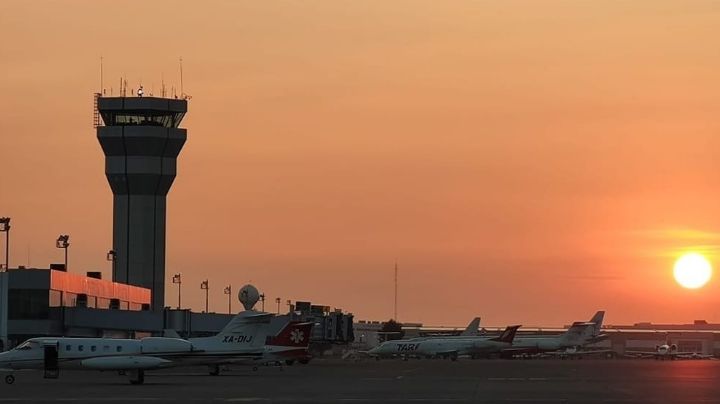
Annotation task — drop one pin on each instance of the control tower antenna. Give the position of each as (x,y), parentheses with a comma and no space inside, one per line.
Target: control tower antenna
(182,91)
(396,288)
(102,89)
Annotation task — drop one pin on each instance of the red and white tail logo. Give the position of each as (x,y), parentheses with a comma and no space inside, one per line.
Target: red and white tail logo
(297,336)
(294,334)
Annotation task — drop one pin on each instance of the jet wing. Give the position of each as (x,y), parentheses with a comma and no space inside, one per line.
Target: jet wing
(645,354)
(693,355)
(641,354)
(447,352)
(576,354)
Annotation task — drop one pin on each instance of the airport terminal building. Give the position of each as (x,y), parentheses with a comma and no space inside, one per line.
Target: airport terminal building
(44,302)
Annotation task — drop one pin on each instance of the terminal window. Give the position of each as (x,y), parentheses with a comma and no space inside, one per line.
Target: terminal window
(28,304)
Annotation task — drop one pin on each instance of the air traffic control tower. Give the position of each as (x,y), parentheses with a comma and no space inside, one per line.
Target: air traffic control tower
(141,141)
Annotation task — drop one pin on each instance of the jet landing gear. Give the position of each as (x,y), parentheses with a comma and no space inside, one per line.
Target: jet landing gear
(9,379)
(136,376)
(214,370)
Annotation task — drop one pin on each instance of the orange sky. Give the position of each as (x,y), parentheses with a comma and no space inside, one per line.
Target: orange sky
(526,161)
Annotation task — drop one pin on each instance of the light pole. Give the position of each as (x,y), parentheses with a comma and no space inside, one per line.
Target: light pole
(228,291)
(289,304)
(262,301)
(277,300)
(5,227)
(204,286)
(112,256)
(177,278)
(63,241)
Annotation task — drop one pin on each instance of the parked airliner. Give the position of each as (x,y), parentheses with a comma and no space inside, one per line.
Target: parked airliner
(568,343)
(450,347)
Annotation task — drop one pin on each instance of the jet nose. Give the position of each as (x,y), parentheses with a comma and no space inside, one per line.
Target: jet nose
(5,359)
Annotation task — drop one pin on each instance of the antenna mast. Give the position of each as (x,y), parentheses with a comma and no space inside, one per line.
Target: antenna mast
(182,92)
(396,288)
(102,90)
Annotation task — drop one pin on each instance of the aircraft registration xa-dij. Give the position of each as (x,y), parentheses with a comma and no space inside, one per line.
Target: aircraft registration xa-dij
(245,339)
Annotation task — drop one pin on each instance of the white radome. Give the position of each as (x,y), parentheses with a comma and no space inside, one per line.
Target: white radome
(248,296)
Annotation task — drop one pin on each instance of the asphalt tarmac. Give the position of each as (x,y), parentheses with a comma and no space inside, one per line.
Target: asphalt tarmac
(393,381)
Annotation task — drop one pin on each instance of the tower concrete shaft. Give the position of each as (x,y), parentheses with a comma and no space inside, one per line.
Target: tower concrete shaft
(141,141)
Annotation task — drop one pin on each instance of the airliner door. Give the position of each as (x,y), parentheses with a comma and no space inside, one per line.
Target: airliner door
(50,357)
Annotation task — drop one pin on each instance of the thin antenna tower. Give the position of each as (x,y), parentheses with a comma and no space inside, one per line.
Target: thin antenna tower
(182,92)
(102,89)
(396,287)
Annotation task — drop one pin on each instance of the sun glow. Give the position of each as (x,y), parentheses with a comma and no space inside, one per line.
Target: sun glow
(692,270)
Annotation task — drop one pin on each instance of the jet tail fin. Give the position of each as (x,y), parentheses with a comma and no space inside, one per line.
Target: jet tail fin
(508,335)
(472,328)
(294,334)
(598,320)
(579,333)
(247,327)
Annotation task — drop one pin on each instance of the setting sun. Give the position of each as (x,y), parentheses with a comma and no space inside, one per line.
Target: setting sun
(692,270)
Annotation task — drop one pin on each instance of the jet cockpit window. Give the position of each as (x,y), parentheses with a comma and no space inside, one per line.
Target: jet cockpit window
(26,345)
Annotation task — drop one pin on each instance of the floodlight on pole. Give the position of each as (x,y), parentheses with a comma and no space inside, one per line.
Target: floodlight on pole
(262,301)
(112,257)
(63,241)
(228,291)
(5,228)
(177,279)
(277,300)
(206,287)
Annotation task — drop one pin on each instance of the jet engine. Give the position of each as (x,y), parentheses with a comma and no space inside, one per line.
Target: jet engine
(125,363)
(157,345)
(571,350)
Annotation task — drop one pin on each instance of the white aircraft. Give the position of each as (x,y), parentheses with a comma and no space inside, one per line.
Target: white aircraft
(472,329)
(449,347)
(244,339)
(568,343)
(667,351)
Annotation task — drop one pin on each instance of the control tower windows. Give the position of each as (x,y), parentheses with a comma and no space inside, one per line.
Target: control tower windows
(143,118)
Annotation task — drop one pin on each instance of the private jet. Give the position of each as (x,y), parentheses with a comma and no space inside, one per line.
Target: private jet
(244,340)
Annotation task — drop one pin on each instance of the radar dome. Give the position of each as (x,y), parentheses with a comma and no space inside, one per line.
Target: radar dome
(248,296)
